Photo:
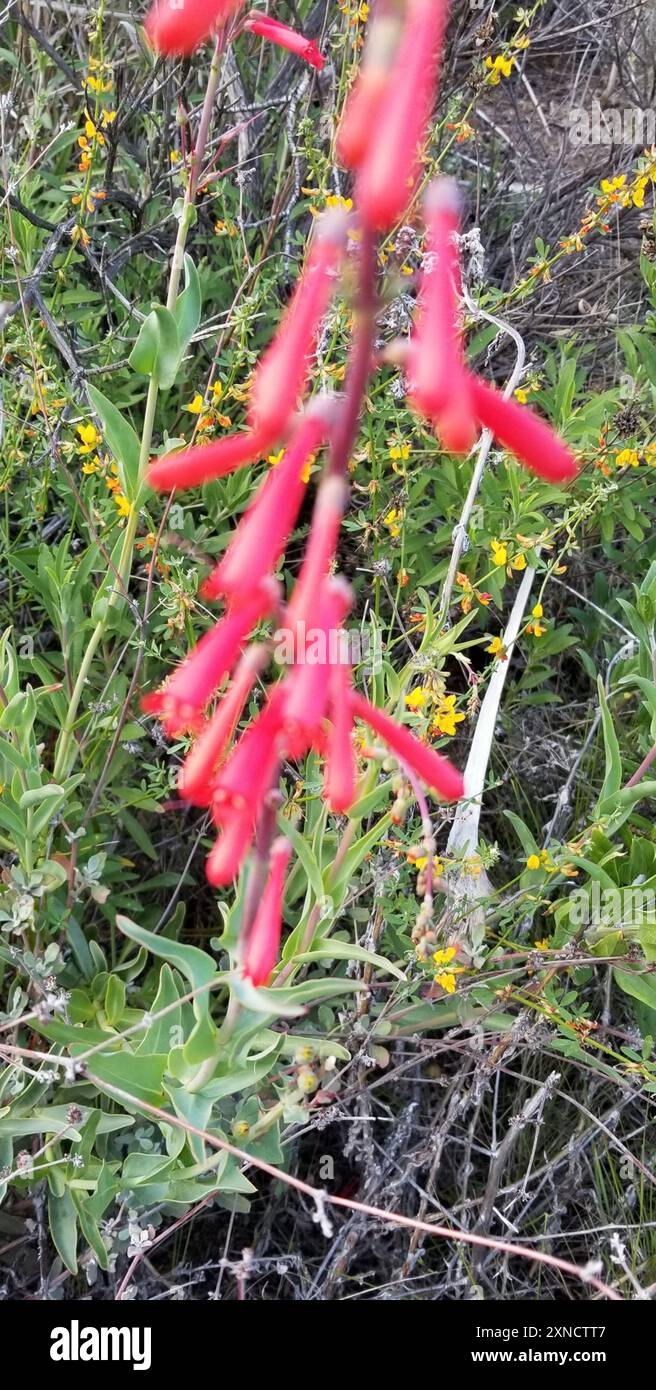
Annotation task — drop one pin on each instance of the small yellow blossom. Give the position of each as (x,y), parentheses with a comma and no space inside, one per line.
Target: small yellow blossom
(542,945)
(90,439)
(399,452)
(499,67)
(519,562)
(417,697)
(627,458)
(446,716)
(275,459)
(537,611)
(533,861)
(196,406)
(499,552)
(496,648)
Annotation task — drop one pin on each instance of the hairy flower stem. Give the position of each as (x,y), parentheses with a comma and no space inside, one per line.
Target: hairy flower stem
(66,746)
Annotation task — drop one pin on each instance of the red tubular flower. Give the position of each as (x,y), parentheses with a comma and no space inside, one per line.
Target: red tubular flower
(389,172)
(228,853)
(439,383)
(263,532)
(198,772)
(204,462)
(177,27)
(364,102)
(339,777)
(306,690)
(319,551)
(435,771)
(263,942)
(285,37)
(182,700)
(282,374)
(247,775)
(524,434)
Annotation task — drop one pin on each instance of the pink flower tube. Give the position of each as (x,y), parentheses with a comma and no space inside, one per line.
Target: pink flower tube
(282,374)
(198,772)
(285,37)
(339,777)
(306,695)
(177,27)
(181,702)
(364,102)
(263,942)
(263,532)
(388,174)
(246,776)
(229,851)
(524,434)
(439,384)
(319,552)
(434,770)
(202,463)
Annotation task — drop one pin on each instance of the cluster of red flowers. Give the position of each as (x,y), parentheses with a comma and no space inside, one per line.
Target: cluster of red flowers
(314,706)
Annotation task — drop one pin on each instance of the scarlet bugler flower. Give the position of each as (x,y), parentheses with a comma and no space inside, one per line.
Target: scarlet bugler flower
(229,851)
(263,943)
(264,530)
(339,776)
(181,702)
(177,27)
(205,462)
(246,776)
(364,102)
(437,772)
(319,552)
(282,374)
(198,773)
(389,171)
(523,433)
(306,689)
(439,383)
(285,37)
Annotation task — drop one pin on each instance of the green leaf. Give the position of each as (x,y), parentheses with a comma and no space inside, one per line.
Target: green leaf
(199,969)
(156,352)
(188,307)
(332,949)
(62,1218)
(139,1075)
(637,985)
(122,440)
(613,775)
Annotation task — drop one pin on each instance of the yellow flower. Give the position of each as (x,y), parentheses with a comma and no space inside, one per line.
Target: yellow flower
(496,647)
(627,458)
(445,956)
(521,394)
(499,552)
(90,439)
(124,507)
(334,201)
(536,629)
(422,862)
(417,697)
(542,945)
(499,67)
(519,562)
(538,611)
(90,465)
(196,406)
(446,716)
(399,452)
(393,522)
(217,390)
(275,459)
(533,861)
